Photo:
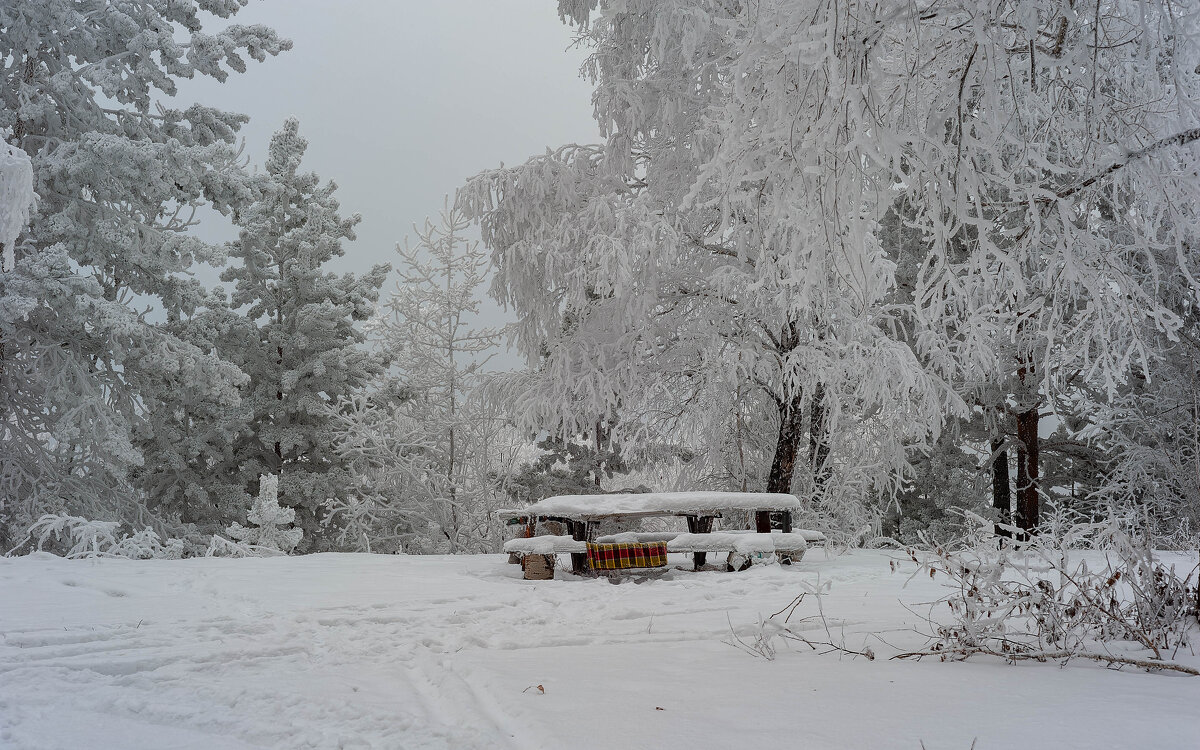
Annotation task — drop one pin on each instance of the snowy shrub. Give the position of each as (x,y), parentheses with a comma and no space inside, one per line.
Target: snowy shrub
(364,522)
(77,537)
(219,546)
(1047,599)
(268,519)
(146,544)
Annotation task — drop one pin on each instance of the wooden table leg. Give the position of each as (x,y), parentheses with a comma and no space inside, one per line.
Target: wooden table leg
(785,523)
(579,532)
(699,525)
(762,521)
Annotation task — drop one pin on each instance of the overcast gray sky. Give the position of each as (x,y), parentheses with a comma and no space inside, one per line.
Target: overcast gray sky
(401,101)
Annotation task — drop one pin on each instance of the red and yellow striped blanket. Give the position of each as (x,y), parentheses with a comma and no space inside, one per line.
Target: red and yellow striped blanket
(628,555)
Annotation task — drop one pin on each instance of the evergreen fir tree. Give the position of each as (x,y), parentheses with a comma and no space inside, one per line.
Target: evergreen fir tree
(268,516)
(192,469)
(304,352)
(118,175)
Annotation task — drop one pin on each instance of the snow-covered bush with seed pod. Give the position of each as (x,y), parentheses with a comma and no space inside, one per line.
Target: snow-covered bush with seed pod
(1050,598)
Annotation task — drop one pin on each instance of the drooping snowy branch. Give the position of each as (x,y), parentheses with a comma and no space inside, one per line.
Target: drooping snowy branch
(16,200)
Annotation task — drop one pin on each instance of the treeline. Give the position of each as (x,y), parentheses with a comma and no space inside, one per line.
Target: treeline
(897,261)
(131,394)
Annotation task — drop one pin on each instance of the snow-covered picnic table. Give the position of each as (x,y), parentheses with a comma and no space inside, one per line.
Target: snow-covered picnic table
(581,513)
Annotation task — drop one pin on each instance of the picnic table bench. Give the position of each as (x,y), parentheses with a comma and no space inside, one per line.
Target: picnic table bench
(810,537)
(741,547)
(581,514)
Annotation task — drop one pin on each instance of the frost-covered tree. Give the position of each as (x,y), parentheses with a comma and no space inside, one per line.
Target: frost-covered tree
(396,498)
(303,350)
(1048,203)
(430,330)
(192,467)
(268,517)
(717,242)
(118,174)
(1153,431)
(730,225)
(1150,432)
(440,428)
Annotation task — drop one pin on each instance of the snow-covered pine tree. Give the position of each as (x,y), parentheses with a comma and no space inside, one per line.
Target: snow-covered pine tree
(191,468)
(118,174)
(303,351)
(268,516)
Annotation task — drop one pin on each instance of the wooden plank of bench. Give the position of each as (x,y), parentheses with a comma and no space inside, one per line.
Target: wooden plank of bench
(810,536)
(744,543)
(546,544)
(637,537)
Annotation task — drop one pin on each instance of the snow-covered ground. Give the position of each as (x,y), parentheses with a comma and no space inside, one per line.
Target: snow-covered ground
(330,651)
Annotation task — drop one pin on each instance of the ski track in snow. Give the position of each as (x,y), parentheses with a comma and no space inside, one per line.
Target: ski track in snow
(150,671)
(392,652)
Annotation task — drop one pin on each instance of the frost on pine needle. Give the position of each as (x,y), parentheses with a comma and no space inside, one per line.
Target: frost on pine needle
(16,199)
(268,518)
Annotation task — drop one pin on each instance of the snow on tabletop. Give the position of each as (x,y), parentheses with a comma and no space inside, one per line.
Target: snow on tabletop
(650,503)
(544,545)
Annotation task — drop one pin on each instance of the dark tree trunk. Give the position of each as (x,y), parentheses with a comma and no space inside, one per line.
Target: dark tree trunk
(599,452)
(279,398)
(818,439)
(1027,469)
(1027,453)
(1001,489)
(791,429)
(783,466)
